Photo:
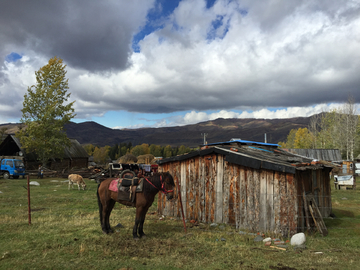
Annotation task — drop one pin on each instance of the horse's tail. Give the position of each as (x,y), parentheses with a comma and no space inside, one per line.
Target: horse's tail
(99,203)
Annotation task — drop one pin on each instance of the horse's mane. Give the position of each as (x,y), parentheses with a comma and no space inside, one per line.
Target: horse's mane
(155,180)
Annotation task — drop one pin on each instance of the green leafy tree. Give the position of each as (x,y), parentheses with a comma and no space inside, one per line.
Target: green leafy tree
(183,150)
(114,152)
(168,151)
(45,112)
(290,140)
(123,150)
(156,150)
(101,155)
(89,148)
(139,150)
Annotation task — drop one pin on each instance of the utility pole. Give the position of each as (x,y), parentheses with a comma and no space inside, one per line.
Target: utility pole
(204,135)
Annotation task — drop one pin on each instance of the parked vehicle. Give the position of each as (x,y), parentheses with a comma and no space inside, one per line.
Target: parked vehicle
(12,168)
(343,181)
(357,168)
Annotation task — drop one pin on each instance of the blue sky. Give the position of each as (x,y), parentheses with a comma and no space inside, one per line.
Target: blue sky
(155,63)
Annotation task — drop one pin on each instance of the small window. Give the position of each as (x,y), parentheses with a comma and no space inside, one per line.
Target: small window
(9,162)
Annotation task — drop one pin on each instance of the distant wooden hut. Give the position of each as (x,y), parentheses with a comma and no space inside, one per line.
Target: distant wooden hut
(254,186)
(331,155)
(74,156)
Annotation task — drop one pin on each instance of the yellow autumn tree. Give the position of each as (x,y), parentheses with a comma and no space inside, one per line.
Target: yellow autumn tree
(303,139)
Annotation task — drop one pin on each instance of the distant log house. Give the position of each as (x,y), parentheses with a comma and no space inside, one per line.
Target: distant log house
(74,156)
(254,186)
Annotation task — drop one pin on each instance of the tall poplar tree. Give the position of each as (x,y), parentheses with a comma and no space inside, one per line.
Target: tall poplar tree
(45,112)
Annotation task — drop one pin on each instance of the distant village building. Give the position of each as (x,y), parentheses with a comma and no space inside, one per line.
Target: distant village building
(331,155)
(254,186)
(74,156)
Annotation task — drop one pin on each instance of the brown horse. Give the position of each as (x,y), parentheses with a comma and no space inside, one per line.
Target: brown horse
(163,182)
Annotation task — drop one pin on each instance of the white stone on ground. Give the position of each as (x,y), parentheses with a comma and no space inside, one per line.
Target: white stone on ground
(298,239)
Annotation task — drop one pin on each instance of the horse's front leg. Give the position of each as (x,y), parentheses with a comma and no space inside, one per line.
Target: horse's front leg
(135,228)
(141,225)
(141,214)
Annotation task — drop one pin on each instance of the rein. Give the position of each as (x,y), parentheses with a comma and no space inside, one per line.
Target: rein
(162,189)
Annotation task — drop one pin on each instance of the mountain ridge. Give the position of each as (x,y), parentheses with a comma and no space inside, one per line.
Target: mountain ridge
(217,130)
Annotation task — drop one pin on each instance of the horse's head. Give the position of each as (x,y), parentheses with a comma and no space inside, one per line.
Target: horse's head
(168,185)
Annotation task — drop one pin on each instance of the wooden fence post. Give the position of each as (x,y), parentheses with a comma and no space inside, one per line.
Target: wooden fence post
(28,193)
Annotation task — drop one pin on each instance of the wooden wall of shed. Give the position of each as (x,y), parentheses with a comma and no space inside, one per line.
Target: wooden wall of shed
(214,190)
(316,182)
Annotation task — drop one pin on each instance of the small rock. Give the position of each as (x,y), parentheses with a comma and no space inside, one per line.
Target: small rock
(222,227)
(241,232)
(258,239)
(5,255)
(267,244)
(276,239)
(34,183)
(298,239)
(344,198)
(268,239)
(223,239)
(300,247)
(278,243)
(213,225)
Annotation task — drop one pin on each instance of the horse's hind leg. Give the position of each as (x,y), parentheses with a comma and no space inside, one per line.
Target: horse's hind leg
(105,207)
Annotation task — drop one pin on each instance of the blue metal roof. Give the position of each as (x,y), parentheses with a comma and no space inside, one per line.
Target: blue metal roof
(246,142)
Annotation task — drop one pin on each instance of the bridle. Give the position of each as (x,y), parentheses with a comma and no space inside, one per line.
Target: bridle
(163,188)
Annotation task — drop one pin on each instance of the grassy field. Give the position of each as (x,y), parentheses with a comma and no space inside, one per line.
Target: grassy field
(65,234)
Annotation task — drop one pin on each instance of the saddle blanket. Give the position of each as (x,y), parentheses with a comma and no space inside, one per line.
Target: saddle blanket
(114,185)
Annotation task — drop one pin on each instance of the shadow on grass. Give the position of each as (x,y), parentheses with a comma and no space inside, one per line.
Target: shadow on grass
(341,220)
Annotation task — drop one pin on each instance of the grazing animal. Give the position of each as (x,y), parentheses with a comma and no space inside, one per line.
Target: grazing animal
(163,182)
(76,179)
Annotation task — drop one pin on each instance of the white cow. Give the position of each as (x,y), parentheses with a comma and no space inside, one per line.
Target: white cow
(76,179)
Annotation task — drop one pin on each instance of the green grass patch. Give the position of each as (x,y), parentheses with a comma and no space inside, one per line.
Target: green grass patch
(65,233)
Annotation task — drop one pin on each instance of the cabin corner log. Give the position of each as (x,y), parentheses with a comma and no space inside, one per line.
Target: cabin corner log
(251,198)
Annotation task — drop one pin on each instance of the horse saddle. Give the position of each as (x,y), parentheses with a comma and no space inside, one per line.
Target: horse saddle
(128,187)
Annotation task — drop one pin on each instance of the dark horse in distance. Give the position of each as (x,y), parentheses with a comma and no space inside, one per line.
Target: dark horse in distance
(163,182)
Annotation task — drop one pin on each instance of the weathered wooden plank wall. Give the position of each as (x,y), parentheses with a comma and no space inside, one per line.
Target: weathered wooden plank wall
(214,190)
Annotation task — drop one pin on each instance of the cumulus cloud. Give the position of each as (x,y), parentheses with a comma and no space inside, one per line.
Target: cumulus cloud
(238,58)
